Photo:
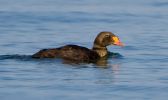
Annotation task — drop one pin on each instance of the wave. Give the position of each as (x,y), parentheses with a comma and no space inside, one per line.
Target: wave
(29,57)
(114,55)
(16,57)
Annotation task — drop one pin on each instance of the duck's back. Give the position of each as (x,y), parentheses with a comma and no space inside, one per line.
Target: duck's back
(69,52)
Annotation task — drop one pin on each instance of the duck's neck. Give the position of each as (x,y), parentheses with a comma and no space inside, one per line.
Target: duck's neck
(101,51)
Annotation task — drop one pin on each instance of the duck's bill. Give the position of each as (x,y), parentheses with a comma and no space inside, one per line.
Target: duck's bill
(117,42)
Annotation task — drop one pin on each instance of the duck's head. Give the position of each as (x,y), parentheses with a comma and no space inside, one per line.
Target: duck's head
(104,39)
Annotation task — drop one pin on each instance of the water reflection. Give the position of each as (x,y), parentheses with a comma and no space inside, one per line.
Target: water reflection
(16,57)
(105,64)
(99,63)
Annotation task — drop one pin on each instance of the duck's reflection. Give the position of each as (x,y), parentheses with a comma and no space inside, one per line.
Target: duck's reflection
(109,74)
(112,63)
(105,63)
(100,63)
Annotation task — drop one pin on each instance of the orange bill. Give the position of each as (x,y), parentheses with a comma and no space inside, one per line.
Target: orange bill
(117,41)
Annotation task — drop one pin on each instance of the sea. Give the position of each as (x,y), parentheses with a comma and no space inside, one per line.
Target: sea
(26,26)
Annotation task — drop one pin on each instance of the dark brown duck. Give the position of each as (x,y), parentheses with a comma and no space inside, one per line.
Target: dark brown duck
(79,53)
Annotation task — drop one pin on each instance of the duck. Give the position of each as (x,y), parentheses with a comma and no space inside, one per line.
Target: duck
(79,53)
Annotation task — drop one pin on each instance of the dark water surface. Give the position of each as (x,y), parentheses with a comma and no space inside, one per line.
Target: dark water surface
(29,25)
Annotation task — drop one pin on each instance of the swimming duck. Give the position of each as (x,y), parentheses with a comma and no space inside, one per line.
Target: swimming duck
(79,53)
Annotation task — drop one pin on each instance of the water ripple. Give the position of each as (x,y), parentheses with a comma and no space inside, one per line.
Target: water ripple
(16,56)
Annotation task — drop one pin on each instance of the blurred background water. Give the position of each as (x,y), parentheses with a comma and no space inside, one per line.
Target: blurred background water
(29,25)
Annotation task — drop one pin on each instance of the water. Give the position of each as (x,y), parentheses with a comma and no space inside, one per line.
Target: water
(29,25)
